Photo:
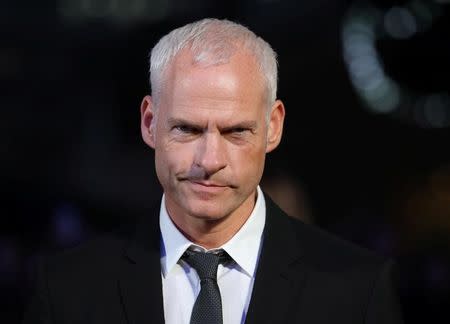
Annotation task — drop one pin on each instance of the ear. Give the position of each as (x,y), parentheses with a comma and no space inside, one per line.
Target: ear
(147,121)
(275,125)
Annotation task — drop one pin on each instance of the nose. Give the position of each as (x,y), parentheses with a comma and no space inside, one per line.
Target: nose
(211,155)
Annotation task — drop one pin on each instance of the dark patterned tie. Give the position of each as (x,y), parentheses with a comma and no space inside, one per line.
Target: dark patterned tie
(208,305)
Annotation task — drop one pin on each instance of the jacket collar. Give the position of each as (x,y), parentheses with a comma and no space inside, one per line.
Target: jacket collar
(280,273)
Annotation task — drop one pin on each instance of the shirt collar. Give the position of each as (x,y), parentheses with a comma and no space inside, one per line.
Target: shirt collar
(243,247)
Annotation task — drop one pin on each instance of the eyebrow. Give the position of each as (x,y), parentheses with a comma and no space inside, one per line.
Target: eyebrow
(246,124)
(180,121)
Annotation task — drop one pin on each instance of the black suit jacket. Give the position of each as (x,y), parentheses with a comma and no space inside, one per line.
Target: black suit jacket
(304,276)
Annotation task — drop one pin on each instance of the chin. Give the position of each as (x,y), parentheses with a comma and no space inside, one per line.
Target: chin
(207,211)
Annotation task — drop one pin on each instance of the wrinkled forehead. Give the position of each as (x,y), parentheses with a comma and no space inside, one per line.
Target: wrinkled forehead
(232,90)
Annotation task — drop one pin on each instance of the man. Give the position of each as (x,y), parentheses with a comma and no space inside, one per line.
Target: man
(211,119)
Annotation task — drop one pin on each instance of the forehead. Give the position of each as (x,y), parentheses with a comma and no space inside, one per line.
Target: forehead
(237,79)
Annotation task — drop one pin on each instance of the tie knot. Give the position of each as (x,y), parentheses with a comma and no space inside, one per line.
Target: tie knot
(204,263)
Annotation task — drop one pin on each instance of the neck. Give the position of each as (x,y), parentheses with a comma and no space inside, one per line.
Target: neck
(210,232)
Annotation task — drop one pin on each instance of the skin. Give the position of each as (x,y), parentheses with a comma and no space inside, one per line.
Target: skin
(210,138)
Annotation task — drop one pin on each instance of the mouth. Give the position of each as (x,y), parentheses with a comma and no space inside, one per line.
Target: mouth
(207,184)
(207,187)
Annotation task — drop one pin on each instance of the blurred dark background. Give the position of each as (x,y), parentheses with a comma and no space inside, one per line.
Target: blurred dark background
(365,152)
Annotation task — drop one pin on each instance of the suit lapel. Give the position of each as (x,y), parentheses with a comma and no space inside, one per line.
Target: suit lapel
(140,278)
(280,272)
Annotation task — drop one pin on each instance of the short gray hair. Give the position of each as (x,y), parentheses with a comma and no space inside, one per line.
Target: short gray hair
(213,42)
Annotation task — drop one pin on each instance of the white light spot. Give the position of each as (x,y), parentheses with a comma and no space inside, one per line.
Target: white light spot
(385,98)
(400,23)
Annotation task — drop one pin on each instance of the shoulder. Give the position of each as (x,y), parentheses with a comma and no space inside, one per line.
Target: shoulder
(88,260)
(349,280)
(336,262)
(322,249)
(327,249)
(69,283)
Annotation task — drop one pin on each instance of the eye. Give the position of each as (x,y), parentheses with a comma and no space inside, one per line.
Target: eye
(238,131)
(186,129)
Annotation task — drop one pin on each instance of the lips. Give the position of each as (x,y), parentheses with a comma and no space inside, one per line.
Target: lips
(207,184)
(206,187)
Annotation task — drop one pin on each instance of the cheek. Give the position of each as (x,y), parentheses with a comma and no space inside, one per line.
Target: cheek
(249,162)
(173,159)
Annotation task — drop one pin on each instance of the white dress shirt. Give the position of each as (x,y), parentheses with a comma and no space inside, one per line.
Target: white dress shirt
(181,283)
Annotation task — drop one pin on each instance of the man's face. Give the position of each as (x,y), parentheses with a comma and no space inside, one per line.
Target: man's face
(210,137)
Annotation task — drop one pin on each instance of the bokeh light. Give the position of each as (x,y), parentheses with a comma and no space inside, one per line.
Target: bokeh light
(67,225)
(363,27)
(365,68)
(9,261)
(400,23)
